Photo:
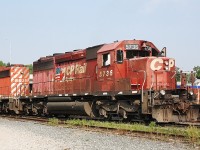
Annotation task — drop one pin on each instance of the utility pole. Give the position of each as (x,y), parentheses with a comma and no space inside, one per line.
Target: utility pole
(10,51)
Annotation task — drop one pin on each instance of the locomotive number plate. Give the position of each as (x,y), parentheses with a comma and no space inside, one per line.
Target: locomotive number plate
(106,73)
(131,46)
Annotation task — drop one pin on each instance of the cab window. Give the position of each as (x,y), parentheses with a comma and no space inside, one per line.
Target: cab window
(119,56)
(136,53)
(106,59)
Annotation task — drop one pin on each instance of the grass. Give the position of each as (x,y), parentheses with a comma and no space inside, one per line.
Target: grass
(53,121)
(191,133)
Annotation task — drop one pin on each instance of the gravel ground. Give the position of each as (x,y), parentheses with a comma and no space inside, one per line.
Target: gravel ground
(16,135)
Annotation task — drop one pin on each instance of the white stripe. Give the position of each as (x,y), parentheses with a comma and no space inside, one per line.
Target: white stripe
(17,89)
(13,85)
(17,73)
(14,90)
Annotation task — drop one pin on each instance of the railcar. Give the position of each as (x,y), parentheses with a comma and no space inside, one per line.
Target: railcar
(14,83)
(129,79)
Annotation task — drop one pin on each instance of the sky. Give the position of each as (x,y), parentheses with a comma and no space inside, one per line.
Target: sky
(30,29)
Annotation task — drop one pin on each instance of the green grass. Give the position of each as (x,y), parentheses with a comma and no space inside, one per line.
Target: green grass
(193,133)
(53,121)
(190,133)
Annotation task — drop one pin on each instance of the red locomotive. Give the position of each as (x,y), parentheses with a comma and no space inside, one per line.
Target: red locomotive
(14,83)
(130,79)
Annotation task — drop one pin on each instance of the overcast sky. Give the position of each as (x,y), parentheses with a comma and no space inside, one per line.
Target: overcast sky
(32,29)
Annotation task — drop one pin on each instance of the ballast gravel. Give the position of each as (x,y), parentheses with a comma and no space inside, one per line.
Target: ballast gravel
(17,135)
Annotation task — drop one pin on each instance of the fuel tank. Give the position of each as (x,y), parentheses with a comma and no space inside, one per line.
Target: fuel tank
(71,108)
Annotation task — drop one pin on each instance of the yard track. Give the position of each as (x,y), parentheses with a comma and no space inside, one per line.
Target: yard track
(62,121)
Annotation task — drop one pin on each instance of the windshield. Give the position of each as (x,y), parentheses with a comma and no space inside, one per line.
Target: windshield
(136,53)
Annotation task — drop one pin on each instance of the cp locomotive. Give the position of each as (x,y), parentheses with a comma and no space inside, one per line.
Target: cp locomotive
(129,79)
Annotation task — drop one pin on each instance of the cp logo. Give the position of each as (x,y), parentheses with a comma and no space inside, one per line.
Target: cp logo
(157,64)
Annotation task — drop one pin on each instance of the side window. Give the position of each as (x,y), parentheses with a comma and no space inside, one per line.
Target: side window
(119,56)
(106,59)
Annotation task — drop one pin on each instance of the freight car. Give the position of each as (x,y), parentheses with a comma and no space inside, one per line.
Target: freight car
(129,79)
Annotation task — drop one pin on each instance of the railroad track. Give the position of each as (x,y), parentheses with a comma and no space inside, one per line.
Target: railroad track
(90,127)
(180,124)
(62,121)
(24,118)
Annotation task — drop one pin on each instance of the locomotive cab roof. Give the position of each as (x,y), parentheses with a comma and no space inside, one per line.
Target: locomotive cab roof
(139,46)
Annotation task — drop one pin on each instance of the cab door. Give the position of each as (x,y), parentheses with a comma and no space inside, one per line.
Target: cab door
(105,73)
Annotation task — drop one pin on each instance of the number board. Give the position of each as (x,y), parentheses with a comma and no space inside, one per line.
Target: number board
(131,46)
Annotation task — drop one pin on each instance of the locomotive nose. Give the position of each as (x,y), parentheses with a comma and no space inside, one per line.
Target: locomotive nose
(162,64)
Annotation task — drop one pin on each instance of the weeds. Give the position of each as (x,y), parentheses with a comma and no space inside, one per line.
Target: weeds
(53,121)
(191,133)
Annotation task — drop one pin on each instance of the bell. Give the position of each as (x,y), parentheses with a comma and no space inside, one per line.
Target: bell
(144,45)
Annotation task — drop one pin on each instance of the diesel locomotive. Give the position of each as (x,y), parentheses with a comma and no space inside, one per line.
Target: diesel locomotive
(129,79)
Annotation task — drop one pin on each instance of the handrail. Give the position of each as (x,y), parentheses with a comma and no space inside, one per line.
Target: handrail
(143,81)
(162,71)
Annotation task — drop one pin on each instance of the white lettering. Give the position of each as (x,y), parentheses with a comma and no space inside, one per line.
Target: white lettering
(156,64)
(171,63)
(106,73)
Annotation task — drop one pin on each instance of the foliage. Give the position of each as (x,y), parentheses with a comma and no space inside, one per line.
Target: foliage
(152,124)
(30,66)
(8,64)
(197,70)
(190,133)
(2,63)
(178,74)
(188,74)
(53,121)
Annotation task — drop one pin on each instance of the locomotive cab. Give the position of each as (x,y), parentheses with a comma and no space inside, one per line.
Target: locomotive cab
(138,81)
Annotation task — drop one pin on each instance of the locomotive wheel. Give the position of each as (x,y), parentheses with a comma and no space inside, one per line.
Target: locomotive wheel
(5,108)
(103,113)
(122,113)
(26,110)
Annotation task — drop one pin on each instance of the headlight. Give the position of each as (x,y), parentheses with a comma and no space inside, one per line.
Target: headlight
(166,63)
(162,92)
(166,68)
(191,93)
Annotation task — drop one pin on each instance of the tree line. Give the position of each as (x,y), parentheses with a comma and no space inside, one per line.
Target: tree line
(196,70)
(30,66)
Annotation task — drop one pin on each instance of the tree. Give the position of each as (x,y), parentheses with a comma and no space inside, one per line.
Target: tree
(30,66)
(197,70)
(2,63)
(178,74)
